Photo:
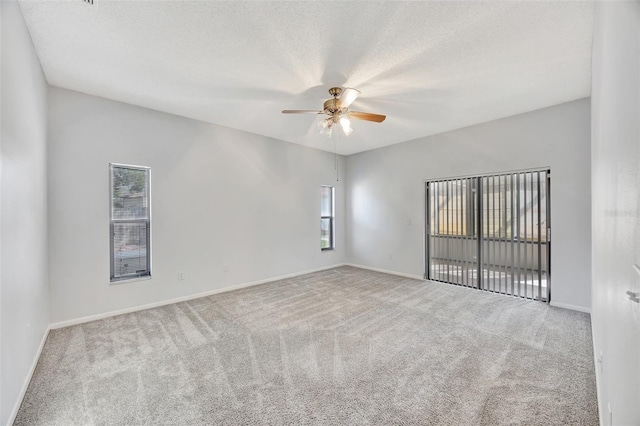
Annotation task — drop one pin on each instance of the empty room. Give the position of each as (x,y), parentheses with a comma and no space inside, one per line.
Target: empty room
(319,212)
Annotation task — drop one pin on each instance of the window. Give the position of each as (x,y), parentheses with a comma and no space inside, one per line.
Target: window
(326,218)
(130,224)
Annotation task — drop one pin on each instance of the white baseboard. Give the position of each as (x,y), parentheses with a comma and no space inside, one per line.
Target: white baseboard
(27,380)
(95,317)
(386,271)
(572,307)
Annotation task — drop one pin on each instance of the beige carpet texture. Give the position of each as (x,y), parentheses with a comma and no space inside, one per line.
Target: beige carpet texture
(345,346)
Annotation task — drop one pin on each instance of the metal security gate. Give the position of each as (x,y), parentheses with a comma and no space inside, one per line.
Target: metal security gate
(491,232)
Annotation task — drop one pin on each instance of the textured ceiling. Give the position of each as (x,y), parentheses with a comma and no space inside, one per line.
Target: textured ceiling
(429,66)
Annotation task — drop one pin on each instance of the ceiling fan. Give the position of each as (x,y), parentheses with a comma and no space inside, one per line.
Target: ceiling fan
(337,108)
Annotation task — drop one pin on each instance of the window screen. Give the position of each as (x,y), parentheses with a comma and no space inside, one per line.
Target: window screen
(326,218)
(130,223)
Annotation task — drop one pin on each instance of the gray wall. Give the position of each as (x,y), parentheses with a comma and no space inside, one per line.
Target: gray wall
(616,208)
(24,295)
(220,198)
(385,195)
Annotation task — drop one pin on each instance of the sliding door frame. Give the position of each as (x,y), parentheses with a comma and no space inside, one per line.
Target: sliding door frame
(478,221)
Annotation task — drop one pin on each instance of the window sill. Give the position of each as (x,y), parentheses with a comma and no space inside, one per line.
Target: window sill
(130,280)
(327,249)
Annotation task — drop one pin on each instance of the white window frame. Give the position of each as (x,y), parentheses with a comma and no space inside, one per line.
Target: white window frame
(146,274)
(332,220)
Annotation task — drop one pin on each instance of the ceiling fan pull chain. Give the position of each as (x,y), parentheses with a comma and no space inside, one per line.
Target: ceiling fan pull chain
(335,148)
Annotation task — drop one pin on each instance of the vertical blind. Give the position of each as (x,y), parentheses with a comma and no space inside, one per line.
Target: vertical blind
(491,233)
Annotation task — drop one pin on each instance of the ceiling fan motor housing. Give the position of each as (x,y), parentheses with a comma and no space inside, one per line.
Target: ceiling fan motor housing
(331,106)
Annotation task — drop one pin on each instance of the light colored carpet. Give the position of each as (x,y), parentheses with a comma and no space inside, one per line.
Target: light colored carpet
(343,346)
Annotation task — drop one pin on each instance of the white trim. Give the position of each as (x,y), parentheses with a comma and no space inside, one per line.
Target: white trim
(572,307)
(130,280)
(386,271)
(129,166)
(27,380)
(597,371)
(95,317)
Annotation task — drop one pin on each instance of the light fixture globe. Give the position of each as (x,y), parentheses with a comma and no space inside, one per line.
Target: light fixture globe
(346,125)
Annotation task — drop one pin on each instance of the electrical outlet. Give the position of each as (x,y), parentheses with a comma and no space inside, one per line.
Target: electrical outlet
(180,276)
(390,256)
(225,268)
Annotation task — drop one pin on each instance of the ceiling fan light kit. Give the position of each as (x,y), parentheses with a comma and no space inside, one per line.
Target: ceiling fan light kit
(337,108)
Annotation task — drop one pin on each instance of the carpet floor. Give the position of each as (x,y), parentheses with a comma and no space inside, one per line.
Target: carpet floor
(342,346)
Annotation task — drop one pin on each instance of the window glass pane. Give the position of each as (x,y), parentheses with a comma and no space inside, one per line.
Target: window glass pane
(325,233)
(325,201)
(452,216)
(130,248)
(543,206)
(130,222)
(130,193)
(529,199)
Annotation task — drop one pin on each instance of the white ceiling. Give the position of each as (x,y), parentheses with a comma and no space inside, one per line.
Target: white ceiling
(429,66)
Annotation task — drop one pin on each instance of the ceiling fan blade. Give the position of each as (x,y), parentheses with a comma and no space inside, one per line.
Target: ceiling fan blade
(347,97)
(301,111)
(367,116)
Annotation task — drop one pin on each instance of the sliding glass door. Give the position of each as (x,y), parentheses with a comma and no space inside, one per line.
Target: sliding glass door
(490,232)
